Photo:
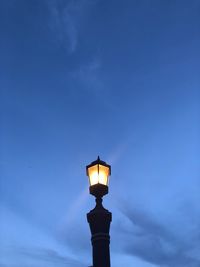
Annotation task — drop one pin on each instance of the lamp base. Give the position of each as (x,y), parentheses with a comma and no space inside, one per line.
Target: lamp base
(98,190)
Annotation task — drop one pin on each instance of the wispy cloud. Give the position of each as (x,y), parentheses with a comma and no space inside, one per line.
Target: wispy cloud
(88,74)
(39,257)
(37,248)
(89,77)
(52,256)
(153,242)
(65,18)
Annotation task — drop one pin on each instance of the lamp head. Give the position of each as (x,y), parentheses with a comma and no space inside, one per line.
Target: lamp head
(98,172)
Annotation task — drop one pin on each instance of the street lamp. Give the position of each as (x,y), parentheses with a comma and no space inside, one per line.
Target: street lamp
(98,172)
(99,218)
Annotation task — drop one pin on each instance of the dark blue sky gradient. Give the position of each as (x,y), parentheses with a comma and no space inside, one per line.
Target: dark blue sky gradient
(83,78)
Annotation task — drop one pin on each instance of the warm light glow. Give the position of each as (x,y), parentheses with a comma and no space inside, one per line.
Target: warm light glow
(98,174)
(93,175)
(103,175)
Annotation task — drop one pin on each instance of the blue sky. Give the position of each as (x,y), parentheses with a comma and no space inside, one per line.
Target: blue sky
(119,79)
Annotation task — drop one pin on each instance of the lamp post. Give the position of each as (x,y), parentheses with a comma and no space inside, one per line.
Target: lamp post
(99,218)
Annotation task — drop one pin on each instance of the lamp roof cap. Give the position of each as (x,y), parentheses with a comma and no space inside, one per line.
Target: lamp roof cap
(99,162)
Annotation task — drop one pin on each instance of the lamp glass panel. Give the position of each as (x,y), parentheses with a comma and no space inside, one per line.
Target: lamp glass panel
(93,175)
(103,174)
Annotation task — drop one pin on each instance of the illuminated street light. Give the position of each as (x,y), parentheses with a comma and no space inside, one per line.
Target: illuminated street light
(99,218)
(98,172)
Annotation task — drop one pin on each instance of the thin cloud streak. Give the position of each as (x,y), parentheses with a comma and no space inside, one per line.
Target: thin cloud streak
(40,257)
(64,21)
